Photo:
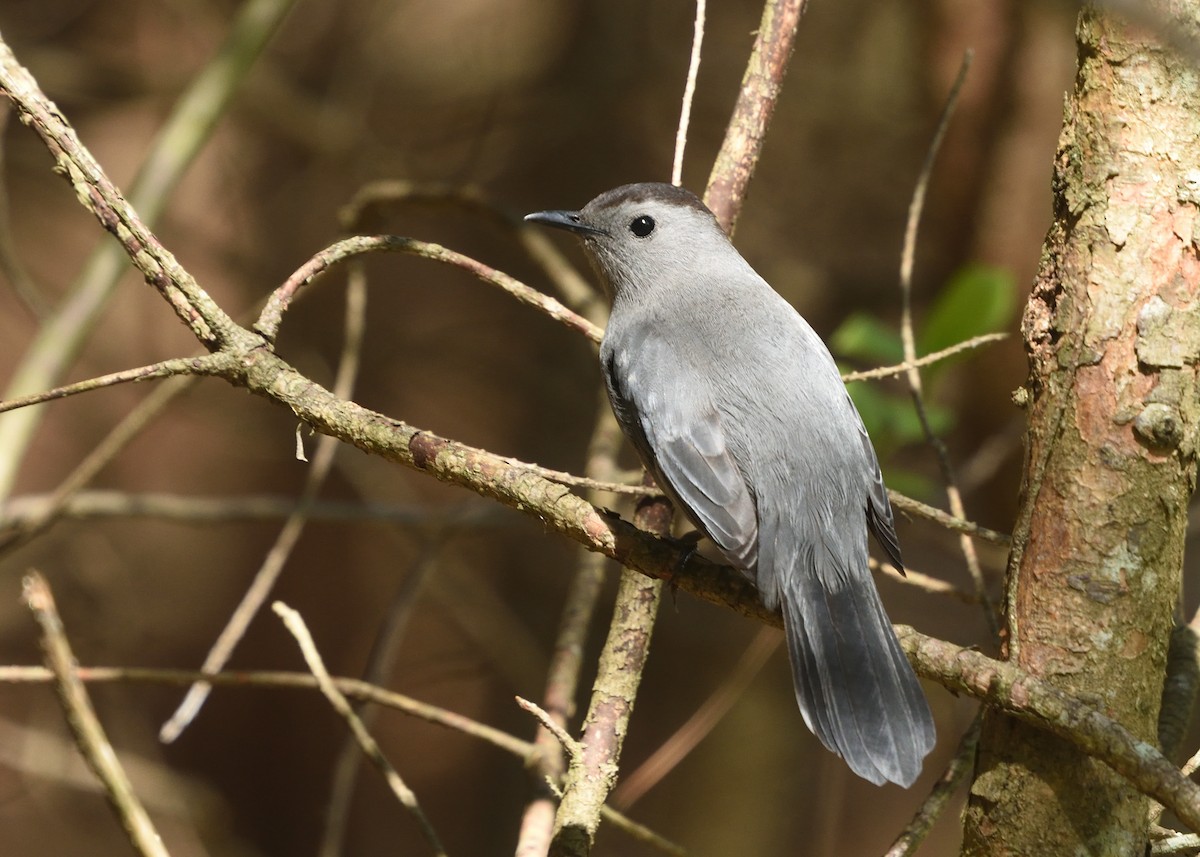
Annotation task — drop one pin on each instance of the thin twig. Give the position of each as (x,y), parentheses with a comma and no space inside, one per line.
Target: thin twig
(928,359)
(640,832)
(379,666)
(689,91)
(962,670)
(606,486)
(203,365)
(295,624)
(272,315)
(907,336)
(577,292)
(98,458)
(350,687)
(930,513)
(282,679)
(928,812)
(573,747)
(255,507)
(289,535)
(85,726)
(926,583)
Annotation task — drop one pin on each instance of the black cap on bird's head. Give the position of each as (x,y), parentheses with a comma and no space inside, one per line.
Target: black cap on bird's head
(636,233)
(587,221)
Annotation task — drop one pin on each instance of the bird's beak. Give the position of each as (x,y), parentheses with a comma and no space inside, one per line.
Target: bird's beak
(568,220)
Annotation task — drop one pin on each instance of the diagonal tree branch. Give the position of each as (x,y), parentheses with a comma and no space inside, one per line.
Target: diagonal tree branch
(181,138)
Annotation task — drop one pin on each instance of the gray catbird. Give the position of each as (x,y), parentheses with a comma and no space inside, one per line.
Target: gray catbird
(736,406)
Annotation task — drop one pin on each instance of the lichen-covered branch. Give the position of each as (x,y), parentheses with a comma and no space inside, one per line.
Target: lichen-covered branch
(593,772)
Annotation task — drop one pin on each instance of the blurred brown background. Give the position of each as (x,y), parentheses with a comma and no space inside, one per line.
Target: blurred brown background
(542,104)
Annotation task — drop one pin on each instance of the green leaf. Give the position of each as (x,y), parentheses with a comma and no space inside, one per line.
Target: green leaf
(978,299)
(891,419)
(865,338)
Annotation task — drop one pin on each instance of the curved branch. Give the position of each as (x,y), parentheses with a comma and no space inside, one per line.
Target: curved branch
(272,314)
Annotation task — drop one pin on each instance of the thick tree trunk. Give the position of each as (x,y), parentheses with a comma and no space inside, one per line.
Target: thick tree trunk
(1113,333)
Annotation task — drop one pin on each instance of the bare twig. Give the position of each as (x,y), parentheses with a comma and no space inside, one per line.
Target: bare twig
(689,91)
(98,458)
(187,129)
(264,507)
(576,291)
(907,336)
(295,624)
(350,687)
(921,510)
(282,679)
(277,557)
(379,666)
(272,315)
(925,582)
(963,670)
(202,365)
(603,485)
(928,812)
(573,747)
(85,726)
(928,359)
(640,832)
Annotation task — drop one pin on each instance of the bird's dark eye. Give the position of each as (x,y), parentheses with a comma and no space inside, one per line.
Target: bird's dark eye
(642,226)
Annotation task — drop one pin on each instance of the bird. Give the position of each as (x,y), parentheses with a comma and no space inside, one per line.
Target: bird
(736,407)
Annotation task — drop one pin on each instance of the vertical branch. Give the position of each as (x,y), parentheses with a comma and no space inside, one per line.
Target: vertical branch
(755,106)
(592,775)
(907,336)
(689,91)
(562,680)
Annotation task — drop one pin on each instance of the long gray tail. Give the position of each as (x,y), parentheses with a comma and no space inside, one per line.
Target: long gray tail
(856,690)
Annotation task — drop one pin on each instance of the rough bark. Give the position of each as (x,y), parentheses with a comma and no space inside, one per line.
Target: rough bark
(1112,328)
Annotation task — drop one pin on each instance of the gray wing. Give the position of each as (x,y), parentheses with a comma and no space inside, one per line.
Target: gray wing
(666,409)
(879,508)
